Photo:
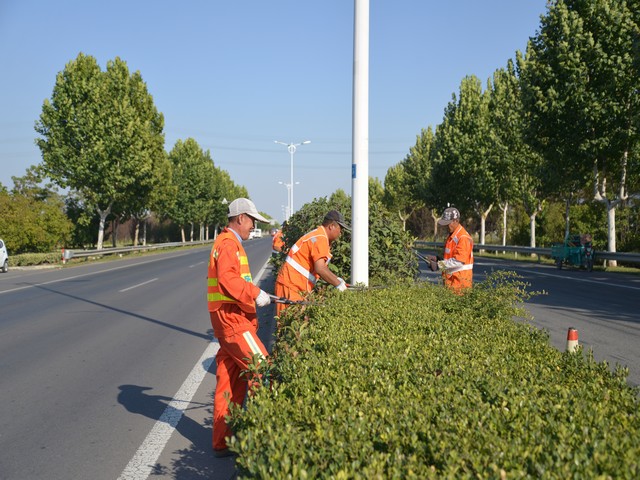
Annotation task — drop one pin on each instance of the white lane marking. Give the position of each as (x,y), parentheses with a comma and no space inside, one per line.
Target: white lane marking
(138,285)
(196,264)
(145,458)
(140,466)
(87,274)
(586,280)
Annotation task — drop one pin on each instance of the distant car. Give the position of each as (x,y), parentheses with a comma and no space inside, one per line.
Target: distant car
(4,257)
(255,233)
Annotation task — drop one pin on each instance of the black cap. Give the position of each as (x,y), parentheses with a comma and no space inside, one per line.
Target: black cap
(336,216)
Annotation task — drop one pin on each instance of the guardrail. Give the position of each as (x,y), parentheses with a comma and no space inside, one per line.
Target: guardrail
(618,256)
(68,254)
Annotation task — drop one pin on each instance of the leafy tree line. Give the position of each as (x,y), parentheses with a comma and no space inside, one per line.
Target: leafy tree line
(102,139)
(559,124)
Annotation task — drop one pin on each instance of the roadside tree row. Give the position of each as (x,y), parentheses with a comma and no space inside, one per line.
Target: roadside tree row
(560,123)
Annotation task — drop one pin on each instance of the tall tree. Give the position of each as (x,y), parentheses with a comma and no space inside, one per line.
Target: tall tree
(581,83)
(517,164)
(101,134)
(404,189)
(464,168)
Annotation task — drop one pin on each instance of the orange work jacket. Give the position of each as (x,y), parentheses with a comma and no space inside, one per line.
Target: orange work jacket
(459,245)
(229,283)
(298,272)
(278,242)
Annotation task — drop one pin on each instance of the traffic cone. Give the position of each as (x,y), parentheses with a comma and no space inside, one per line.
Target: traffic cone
(572,340)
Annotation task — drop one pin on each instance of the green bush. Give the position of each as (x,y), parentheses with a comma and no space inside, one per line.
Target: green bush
(30,259)
(391,256)
(415,382)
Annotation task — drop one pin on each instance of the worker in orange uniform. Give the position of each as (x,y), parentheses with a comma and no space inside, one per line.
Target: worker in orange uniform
(232,299)
(308,260)
(457,263)
(278,242)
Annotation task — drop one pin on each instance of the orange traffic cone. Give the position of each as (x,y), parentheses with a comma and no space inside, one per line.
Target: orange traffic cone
(572,340)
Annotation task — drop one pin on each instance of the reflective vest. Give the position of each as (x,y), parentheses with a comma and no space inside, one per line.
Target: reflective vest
(461,276)
(215,297)
(298,270)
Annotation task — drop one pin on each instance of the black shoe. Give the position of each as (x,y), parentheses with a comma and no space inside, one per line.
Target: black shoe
(223,452)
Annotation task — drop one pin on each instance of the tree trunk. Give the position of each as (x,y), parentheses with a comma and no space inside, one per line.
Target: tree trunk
(103,218)
(566,220)
(182,233)
(435,224)
(114,232)
(191,232)
(483,220)
(136,233)
(611,231)
(505,209)
(144,233)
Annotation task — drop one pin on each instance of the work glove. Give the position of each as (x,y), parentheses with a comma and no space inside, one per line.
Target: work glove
(263,299)
(342,286)
(442,265)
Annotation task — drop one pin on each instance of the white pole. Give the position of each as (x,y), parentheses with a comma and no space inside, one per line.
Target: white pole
(360,162)
(292,150)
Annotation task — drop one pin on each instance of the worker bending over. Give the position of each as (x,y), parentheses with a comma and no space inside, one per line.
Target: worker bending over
(309,259)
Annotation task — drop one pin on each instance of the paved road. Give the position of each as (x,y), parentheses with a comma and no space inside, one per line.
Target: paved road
(90,358)
(603,307)
(97,361)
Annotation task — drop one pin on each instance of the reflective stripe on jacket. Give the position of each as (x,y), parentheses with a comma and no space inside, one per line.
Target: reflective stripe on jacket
(239,290)
(298,272)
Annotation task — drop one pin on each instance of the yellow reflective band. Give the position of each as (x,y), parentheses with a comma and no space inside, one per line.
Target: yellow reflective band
(244,261)
(218,297)
(212,282)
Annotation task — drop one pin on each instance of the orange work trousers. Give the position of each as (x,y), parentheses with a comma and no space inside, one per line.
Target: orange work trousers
(233,358)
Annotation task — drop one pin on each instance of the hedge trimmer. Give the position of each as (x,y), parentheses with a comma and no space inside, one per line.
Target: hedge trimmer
(286,301)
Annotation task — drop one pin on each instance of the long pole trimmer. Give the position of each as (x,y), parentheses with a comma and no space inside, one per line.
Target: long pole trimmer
(286,301)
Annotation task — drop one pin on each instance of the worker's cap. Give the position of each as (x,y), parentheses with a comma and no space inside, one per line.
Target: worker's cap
(450,214)
(336,216)
(246,206)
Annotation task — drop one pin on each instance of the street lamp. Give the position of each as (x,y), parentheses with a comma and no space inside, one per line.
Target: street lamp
(291,147)
(288,211)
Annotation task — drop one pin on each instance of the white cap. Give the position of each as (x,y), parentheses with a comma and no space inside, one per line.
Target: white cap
(246,206)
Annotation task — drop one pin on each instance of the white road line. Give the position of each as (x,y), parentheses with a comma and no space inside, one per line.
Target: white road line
(138,285)
(85,275)
(195,264)
(140,466)
(586,280)
(143,461)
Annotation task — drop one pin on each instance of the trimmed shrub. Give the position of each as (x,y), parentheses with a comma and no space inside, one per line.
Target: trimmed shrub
(391,255)
(415,382)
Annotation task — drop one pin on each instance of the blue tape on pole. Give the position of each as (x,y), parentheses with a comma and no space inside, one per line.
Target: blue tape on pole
(353,170)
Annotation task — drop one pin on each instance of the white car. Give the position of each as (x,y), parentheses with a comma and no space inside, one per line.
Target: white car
(4,257)
(255,233)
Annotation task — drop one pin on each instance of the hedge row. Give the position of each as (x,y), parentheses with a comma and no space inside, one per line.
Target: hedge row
(414,382)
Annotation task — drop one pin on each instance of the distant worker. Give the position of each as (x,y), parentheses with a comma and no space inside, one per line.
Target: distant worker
(278,242)
(231,299)
(309,259)
(457,265)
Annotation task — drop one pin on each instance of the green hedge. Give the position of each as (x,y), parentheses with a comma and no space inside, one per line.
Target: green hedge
(414,382)
(30,259)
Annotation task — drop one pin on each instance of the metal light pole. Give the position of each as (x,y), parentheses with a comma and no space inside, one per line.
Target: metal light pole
(291,147)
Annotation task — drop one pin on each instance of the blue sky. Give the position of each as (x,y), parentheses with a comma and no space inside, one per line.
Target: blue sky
(236,76)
